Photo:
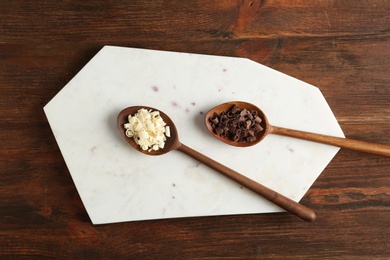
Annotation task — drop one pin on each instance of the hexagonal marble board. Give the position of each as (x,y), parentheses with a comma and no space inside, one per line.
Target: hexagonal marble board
(117,183)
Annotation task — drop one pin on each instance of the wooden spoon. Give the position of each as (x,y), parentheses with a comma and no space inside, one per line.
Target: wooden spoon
(173,143)
(379,149)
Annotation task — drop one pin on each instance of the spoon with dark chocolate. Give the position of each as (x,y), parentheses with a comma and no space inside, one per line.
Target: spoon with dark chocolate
(148,125)
(243,124)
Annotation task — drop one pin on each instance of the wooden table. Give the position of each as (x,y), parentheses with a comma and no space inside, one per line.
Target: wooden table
(342,47)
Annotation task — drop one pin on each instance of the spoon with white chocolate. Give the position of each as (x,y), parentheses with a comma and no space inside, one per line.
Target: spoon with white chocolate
(173,143)
(247,109)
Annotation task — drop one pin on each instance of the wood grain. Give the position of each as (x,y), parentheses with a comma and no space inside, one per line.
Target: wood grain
(342,47)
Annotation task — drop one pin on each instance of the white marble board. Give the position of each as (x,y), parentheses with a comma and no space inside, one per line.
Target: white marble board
(117,183)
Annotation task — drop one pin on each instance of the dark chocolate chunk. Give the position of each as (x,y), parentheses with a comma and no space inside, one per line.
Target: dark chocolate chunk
(258,119)
(214,120)
(237,124)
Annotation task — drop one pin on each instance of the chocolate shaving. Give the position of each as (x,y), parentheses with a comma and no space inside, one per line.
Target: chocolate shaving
(237,124)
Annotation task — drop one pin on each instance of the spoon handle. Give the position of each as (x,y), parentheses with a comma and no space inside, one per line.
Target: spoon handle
(280,200)
(362,146)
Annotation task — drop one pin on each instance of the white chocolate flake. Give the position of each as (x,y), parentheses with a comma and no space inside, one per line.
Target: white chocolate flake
(167,131)
(148,129)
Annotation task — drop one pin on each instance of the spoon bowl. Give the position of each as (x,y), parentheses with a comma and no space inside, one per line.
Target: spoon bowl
(173,143)
(362,146)
(226,107)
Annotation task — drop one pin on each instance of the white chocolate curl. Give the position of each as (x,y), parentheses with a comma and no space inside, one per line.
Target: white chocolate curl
(148,129)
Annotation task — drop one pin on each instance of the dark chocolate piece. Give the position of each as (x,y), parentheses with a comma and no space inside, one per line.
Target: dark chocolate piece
(237,124)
